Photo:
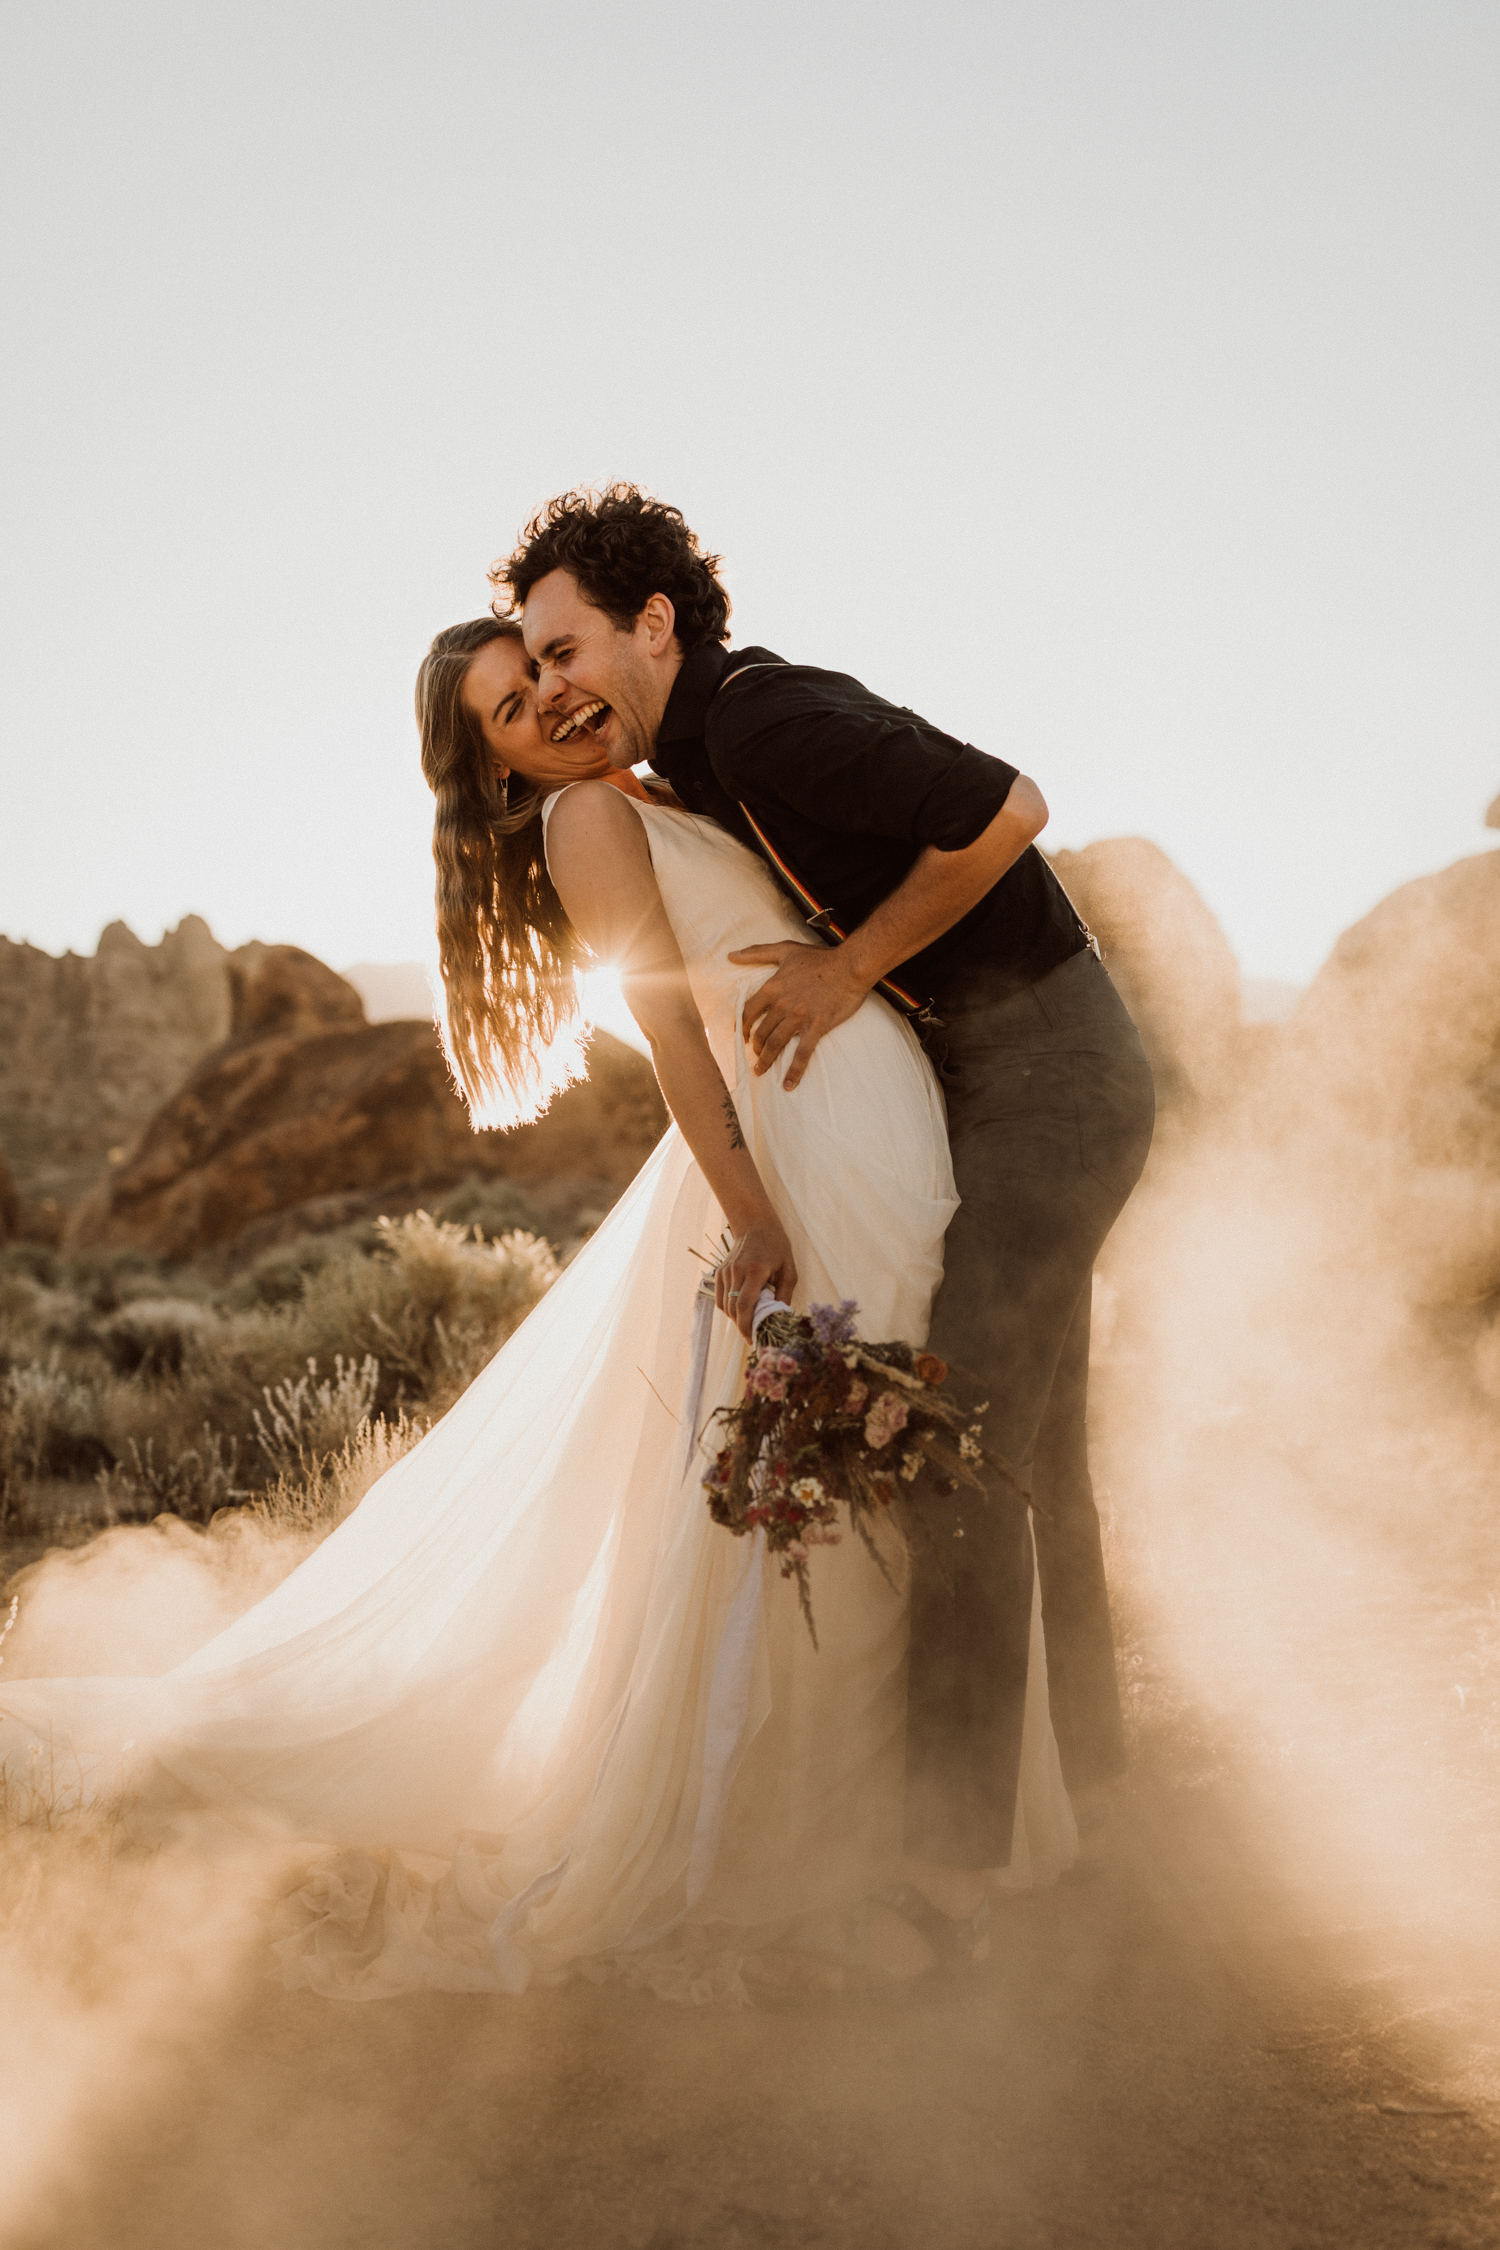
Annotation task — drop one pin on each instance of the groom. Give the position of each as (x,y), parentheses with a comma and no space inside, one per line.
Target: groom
(917,850)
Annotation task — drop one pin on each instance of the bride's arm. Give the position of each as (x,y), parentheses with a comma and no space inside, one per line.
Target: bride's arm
(601,864)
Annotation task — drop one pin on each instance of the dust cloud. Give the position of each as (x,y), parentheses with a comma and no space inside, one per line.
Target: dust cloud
(1300,1434)
(141,1597)
(1260,2012)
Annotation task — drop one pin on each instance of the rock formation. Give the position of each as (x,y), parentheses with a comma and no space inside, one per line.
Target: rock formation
(90,1047)
(1172,963)
(279,989)
(1400,1029)
(293,1130)
(1391,1067)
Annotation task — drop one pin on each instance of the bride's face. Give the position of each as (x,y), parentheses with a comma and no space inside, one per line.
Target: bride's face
(499,691)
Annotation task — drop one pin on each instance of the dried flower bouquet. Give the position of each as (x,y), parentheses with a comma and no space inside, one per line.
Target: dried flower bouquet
(827,1419)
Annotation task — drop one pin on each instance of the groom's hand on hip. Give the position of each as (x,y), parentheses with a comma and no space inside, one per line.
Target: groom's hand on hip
(812,990)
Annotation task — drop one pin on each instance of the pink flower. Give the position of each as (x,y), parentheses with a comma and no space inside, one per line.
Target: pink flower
(885,1418)
(764,1383)
(858,1393)
(796,1551)
(787,1364)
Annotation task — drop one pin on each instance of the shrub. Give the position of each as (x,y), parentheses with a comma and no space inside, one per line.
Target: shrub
(310,1420)
(431,1306)
(107,1279)
(152,1336)
(279,1276)
(45,1428)
(316,1499)
(490,1208)
(194,1482)
(169,1401)
(36,1260)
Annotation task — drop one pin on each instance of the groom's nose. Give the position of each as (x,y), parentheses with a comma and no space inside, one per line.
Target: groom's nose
(550,685)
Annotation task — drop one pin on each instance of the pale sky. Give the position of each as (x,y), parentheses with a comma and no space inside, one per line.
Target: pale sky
(1115,383)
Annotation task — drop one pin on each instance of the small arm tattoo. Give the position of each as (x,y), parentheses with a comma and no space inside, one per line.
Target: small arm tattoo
(732,1120)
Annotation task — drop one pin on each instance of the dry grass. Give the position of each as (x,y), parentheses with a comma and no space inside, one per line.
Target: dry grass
(168,1397)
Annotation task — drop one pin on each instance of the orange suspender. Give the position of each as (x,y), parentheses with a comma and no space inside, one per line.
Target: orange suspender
(821,918)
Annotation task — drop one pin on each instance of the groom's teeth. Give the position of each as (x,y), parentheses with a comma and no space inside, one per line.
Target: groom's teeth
(582,717)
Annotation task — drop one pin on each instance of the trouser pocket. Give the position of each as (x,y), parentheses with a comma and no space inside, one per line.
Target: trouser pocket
(1116,1107)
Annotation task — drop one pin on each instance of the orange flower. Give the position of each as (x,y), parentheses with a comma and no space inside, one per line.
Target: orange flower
(930,1367)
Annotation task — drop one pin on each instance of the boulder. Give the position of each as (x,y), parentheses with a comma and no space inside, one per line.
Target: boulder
(91,1046)
(331,1122)
(1387,1078)
(1172,963)
(281,989)
(1397,1038)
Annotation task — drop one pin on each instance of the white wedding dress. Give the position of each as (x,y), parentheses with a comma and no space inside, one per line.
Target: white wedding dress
(548,1717)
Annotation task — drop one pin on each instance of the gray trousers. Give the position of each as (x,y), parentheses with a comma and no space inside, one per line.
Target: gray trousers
(1050,1112)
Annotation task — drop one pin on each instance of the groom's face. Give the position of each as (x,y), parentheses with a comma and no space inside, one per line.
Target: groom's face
(597,681)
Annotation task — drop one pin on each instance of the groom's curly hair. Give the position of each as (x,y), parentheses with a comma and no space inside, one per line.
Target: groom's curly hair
(622,546)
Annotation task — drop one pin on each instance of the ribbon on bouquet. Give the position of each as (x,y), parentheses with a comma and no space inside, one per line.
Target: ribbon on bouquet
(703,1322)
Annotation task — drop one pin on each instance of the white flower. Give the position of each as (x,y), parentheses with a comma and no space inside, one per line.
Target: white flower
(911,1464)
(807,1492)
(969,1448)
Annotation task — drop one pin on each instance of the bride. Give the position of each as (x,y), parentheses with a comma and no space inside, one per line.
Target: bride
(543,1715)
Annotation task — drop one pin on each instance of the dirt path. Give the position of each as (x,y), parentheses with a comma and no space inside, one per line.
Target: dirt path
(1158,2056)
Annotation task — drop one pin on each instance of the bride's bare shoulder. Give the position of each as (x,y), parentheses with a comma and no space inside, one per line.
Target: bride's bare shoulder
(591,808)
(593,827)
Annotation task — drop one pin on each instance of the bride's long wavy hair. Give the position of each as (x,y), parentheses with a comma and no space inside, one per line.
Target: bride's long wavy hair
(508,953)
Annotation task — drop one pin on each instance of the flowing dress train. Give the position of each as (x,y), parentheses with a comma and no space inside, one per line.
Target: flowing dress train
(544,1715)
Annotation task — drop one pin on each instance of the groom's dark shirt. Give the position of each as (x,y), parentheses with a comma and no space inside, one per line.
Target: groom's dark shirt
(850,790)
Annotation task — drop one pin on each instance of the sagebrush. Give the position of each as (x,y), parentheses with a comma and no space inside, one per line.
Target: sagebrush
(169,1394)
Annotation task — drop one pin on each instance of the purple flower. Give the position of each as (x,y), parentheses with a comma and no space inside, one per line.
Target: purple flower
(833,1324)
